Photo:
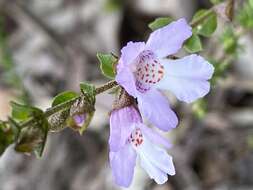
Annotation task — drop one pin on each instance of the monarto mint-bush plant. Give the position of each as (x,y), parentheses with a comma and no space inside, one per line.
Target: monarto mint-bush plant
(140,75)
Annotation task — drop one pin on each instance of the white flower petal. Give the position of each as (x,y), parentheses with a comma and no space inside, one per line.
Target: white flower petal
(155,161)
(187,78)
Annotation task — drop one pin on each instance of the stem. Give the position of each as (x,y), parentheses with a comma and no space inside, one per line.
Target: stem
(106,87)
(59,107)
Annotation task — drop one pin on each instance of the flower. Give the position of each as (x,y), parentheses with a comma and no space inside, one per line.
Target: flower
(131,139)
(143,71)
(79,119)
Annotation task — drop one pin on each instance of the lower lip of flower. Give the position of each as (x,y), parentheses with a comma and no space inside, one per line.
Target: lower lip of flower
(148,71)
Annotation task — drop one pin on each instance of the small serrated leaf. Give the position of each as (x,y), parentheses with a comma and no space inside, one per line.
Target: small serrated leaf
(23,112)
(89,90)
(63,97)
(160,22)
(208,25)
(193,44)
(107,64)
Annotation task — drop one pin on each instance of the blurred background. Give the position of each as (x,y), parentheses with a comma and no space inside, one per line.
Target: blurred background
(48,46)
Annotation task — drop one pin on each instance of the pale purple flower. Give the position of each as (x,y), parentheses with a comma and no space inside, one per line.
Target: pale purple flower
(79,119)
(131,139)
(143,70)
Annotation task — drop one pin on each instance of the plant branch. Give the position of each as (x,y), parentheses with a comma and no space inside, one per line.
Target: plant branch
(106,87)
(67,104)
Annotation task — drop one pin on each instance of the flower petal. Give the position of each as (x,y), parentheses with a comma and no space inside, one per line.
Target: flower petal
(169,39)
(131,51)
(154,136)
(155,107)
(122,123)
(122,164)
(125,78)
(125,67)
(187,77)
(155,173)
(155,161)
(157,156)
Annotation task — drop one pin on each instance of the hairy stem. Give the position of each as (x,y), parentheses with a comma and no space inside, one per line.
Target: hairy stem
(106,86)
(67,104)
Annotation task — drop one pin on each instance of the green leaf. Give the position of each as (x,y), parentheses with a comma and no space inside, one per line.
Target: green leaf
(33,138)
(159,23)
(245,15)
(14,127)
(251,3)
(23,112)
(7,136)
(28,139)
(89,90)
(208,25)
(20,112)
(193,44)
(229,41)
(44,127)
(63,97)
(107,64)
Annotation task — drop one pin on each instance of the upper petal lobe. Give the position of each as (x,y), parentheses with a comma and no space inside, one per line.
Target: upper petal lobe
(169,39)
(125,67)
(126,79)
(131,51)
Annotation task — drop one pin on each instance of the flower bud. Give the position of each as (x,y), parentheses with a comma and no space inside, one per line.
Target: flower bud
(81,113)
(80,119)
